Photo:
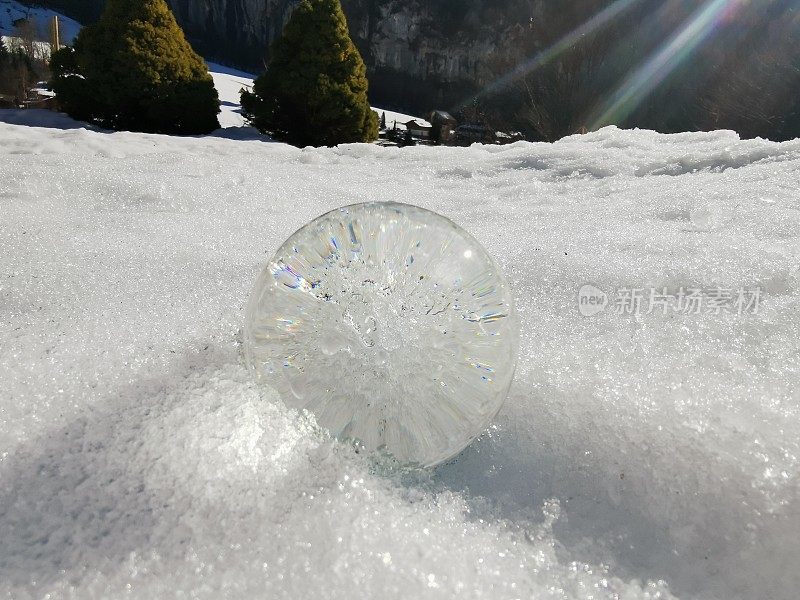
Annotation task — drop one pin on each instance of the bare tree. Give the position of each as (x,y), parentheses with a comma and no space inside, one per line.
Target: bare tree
(25,37)
(559,95)
(563,62)
(28,57)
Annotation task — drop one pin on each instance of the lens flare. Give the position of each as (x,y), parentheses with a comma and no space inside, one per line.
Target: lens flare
(545,56)
(628,96)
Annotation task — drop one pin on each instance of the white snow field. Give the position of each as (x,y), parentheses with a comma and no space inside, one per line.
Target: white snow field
(638,455)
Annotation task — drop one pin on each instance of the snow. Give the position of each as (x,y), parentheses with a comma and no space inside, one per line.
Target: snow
(229,83)
(10,11)
(638,456)
(138,458)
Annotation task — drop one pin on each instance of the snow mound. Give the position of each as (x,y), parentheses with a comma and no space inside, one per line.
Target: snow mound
(137,458)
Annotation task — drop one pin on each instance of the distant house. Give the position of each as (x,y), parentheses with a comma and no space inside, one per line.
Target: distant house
(509,138)
(419,129)
(444,126)
(8,101)
(41,97)
(472,133)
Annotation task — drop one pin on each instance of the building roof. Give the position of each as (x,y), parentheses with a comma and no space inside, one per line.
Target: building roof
(443,115)
(414,124)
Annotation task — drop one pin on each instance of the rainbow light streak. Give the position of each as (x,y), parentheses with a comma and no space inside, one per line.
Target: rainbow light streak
(545,56)
(637,86)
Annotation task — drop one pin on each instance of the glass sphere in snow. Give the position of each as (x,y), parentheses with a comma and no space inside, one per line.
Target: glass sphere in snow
(389,323)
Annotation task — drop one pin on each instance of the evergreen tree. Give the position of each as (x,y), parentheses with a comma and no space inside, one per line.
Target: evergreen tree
(74,94)
(135,70)
(383,120)
(314,92)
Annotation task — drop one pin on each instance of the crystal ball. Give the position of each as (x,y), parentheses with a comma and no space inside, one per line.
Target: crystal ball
(389,323)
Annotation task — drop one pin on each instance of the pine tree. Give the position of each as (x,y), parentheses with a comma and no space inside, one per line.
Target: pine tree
(314,92)
(136,71)
(383,120)
(73,93)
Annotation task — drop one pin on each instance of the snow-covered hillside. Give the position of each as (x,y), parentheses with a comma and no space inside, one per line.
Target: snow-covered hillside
(229,82)
(137,458)
(11,11)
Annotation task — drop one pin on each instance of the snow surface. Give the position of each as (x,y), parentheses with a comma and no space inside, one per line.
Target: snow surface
(137,458)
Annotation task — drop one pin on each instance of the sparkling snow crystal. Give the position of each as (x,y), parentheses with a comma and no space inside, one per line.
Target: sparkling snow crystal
(391,324)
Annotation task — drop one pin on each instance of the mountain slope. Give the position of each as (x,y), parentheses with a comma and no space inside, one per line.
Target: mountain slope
(11,11)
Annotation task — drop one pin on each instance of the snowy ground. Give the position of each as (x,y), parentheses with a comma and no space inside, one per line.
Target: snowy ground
(137,458)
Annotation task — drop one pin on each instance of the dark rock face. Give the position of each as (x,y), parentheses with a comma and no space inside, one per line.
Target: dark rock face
(234,31)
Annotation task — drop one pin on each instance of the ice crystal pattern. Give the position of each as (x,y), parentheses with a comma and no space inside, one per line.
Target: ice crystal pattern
(389,323)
